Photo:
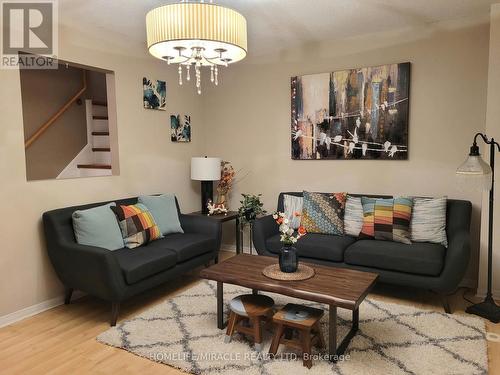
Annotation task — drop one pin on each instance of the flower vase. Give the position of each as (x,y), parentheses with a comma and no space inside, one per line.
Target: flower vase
(222,200)
(288,259)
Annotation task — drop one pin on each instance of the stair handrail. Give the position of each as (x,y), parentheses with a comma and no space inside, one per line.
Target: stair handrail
(42,129)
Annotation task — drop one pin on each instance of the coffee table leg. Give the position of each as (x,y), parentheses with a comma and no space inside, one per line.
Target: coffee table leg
(220,306)
(332,333)
(334,351)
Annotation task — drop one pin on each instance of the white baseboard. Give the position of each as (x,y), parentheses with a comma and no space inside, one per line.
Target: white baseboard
(19,315)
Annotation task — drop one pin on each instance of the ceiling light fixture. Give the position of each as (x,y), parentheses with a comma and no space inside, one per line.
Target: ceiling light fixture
(197,34)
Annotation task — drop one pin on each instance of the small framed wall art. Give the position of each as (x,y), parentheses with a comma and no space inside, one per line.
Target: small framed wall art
(154,94)
(180,128)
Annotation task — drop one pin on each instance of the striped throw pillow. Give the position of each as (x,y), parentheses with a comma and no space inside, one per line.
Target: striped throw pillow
(293,205)
(353,217)
(428,221)
(137,225)
(387,219)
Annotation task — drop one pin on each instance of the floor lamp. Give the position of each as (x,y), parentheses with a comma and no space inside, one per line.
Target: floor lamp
(476,170)
(207,170)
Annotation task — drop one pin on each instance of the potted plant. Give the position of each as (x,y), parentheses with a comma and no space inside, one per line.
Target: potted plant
(288,255)
(250,208)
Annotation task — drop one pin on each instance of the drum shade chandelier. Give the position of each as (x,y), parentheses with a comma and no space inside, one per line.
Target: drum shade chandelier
(196,34)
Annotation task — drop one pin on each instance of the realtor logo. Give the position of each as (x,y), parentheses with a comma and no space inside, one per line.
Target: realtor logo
(29,34)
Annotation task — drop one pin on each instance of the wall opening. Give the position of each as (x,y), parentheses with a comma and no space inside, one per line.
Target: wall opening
(69,116)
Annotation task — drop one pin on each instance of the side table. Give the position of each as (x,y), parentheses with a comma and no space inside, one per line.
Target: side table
(231,215)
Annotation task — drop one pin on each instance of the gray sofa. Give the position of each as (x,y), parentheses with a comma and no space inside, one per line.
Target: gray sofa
(117,275)
(423,265)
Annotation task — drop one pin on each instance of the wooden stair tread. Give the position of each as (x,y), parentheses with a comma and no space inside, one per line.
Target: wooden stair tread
(101,149)
(100,104)
(100,117)
(100,133)
(94,166)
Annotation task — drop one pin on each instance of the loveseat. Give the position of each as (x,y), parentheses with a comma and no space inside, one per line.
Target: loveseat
(117,275)
(424,265)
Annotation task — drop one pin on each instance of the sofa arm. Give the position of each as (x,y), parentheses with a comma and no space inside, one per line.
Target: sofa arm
(456,262)
(93,270)
(263,228)
(204,225)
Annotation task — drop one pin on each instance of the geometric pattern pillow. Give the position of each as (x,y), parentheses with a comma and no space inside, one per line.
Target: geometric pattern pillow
(323,213)
(137,225)
(387,219)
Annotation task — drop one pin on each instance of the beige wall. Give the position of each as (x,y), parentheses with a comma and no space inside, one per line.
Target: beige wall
(249,117)
(492,130)
(149,163)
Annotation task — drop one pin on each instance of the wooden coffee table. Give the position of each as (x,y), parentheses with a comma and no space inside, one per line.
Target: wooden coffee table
(336,287)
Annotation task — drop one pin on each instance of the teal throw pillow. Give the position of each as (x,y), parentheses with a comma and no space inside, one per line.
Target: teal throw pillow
(164,211)
(98,227)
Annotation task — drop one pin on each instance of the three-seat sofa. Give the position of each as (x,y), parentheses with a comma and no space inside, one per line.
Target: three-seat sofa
(424,265)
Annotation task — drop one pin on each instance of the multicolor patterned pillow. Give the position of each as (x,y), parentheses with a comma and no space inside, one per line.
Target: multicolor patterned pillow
(137,225)
(387,219)
(323,213)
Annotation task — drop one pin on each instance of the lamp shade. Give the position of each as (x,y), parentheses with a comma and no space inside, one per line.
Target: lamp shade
(205,169)
(475,172)
(173,30)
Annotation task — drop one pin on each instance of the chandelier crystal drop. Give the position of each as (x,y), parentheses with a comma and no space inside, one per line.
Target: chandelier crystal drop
(197,34)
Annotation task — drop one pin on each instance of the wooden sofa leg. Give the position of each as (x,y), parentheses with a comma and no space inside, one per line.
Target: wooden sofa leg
(115,309)
(68,292)
(446,304)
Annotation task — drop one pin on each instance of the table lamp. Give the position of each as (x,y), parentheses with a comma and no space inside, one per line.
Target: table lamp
(206,170)
(476,171)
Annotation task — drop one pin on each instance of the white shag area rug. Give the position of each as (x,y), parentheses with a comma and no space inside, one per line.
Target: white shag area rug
(392,339)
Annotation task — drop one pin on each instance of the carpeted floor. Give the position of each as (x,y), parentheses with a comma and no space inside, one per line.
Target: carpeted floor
(393,339)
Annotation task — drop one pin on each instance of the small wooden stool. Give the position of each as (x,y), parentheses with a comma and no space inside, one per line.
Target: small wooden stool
(247,313)
(302,320)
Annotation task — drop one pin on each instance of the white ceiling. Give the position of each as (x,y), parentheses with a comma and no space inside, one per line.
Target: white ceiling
(272,23)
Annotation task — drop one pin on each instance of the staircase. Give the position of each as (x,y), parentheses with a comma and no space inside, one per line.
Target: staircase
(95,157)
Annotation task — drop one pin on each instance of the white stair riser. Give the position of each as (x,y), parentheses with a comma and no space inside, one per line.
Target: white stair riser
(100,141)
(102,158)
(98,110)
(95,172)
(100,125)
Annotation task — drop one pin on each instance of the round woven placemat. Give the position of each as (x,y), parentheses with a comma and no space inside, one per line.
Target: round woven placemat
(303,273)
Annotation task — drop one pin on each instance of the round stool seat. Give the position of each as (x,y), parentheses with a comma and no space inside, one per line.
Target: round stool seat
(251,305)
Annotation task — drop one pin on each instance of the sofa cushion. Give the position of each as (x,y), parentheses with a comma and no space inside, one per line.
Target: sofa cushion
(145,261)
(417,258)
(188,245)
(317,246)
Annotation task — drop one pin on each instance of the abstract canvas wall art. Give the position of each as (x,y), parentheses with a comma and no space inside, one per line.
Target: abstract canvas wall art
(155,94)
(351,114)
(180,128)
